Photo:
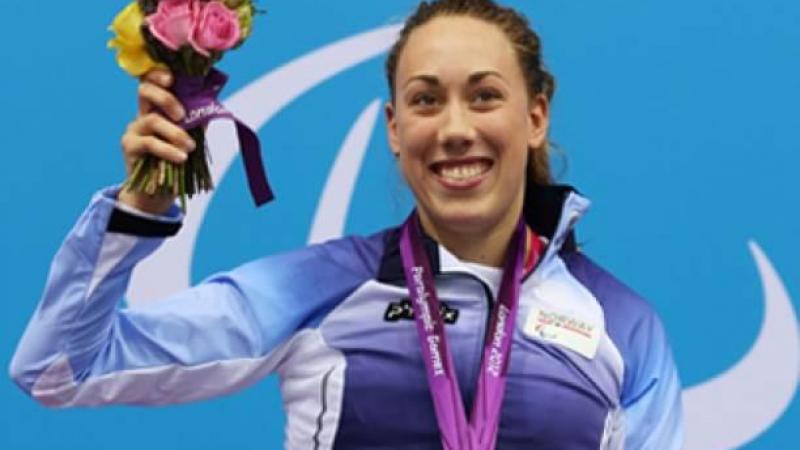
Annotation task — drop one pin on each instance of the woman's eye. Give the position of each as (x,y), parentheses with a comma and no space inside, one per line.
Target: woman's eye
(486,96)
(423,100)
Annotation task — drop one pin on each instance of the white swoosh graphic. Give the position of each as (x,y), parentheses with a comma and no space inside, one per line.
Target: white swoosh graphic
(734,408)
(334,203)
(255,105)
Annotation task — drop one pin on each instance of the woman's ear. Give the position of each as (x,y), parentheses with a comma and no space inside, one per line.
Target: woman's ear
(539,119)
(391,129)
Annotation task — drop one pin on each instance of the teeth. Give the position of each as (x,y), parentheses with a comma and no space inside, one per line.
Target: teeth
(459,173)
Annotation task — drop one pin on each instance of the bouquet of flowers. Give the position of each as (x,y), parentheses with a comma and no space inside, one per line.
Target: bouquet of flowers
(188,37)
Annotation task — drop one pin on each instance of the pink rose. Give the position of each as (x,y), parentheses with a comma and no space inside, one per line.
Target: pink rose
(172,22)
(215,27)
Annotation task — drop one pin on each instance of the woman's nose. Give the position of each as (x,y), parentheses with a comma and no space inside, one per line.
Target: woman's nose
(457,132)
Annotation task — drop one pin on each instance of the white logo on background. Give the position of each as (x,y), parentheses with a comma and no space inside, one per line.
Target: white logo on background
(722,413)
(735,407)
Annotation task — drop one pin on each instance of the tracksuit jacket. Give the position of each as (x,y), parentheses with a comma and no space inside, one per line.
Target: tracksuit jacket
(590,364)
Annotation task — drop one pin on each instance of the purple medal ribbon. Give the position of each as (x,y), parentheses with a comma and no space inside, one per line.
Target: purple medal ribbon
(480,433)
(198,94)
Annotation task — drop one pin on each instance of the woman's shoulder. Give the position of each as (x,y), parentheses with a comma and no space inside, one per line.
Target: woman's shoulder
(356,255)
(362,252)
(613,295)
(632,323)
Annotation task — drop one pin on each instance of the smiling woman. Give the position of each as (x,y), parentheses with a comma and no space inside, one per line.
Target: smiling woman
(476,324)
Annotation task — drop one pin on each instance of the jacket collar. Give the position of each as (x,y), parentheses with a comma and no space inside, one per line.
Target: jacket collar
(551,211)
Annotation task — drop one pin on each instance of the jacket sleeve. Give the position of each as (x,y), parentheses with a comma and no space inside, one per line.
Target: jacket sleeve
(80,348)
(651,397)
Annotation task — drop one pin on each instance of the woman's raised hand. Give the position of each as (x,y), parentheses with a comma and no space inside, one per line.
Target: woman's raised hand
(155,131)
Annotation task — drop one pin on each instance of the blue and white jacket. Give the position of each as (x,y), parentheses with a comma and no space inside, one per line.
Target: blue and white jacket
(334,321)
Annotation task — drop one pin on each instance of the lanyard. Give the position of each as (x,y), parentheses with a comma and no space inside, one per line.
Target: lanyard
(480,432)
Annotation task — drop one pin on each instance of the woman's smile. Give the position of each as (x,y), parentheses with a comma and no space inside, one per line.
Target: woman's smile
(462,173)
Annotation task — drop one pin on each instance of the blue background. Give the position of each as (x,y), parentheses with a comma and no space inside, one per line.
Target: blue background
(679,119)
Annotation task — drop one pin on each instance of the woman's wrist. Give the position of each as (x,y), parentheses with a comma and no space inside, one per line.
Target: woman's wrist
(158,205)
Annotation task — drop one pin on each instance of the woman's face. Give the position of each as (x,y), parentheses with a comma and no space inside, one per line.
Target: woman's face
(462,122)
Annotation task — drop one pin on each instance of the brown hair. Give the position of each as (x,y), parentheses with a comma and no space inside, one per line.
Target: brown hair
(526,44)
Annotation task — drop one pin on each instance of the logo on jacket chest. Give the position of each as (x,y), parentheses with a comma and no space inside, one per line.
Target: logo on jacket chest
(404,310)
(569,331)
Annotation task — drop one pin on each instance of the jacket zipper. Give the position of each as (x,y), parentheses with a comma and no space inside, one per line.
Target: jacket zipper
(489,298)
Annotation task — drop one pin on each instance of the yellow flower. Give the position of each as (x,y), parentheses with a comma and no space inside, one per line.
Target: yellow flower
(132,54)
(245,13)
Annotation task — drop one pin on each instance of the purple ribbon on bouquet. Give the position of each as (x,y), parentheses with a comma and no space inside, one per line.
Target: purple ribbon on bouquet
(198,94)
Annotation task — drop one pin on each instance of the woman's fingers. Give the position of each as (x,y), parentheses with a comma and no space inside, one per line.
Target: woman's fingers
(152,133)
(161,77)
(136,145)
(155,123)
(154,97)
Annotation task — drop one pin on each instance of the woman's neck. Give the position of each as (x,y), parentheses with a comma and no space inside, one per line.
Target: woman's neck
(480,245)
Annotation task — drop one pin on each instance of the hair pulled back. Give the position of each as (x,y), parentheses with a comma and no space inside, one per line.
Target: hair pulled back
(526,44)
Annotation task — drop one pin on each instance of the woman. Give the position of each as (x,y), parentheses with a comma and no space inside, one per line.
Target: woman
(548,352)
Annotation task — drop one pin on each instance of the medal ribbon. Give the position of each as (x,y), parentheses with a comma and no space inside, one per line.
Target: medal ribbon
(480,433)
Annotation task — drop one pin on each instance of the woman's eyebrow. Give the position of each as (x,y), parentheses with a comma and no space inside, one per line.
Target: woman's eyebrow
(478,76)
(427,79)
(473,78)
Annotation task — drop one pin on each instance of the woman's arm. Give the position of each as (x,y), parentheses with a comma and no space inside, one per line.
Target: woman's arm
(652,395)
(229,331)
(79,349)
